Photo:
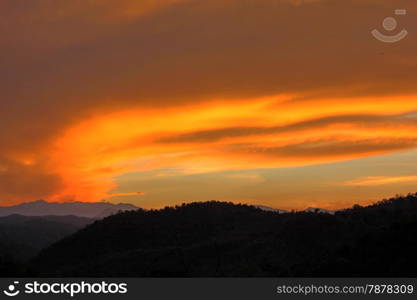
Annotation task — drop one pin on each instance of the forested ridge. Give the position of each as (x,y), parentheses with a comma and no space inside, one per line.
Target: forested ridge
(218,239)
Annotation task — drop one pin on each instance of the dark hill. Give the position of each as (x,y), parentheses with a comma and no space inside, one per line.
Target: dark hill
(222,239)
(22,237)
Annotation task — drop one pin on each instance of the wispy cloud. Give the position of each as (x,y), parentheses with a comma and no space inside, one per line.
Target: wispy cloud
(249,177)
(126,194)
(380,180)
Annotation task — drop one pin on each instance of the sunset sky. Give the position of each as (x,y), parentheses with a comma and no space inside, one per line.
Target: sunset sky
(284,103)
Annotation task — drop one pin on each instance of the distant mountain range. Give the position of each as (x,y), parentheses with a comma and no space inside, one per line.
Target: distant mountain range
(320,210)
(21,237)
(267,208)
(96,210)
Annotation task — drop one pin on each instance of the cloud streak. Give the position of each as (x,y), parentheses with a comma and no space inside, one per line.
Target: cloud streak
(363,121)
(381,180)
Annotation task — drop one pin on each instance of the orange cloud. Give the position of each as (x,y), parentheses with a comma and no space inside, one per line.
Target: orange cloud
(126,194)
(199,139)
(381,180)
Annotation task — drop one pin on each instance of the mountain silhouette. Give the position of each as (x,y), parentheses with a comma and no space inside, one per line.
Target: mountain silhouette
(22,237)
(217,239)
(81,209)
(320,210)
(267,208)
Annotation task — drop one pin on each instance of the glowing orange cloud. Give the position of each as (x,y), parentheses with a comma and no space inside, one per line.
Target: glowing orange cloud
(269,132)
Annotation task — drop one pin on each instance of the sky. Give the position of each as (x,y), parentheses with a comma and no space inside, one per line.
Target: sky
(283,103)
